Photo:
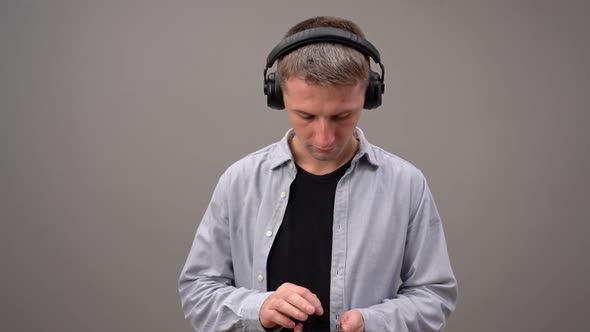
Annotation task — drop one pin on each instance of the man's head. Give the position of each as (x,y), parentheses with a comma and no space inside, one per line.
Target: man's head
(323,86)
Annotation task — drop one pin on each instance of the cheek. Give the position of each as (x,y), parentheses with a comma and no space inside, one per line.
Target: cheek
(345,129)
(303,129)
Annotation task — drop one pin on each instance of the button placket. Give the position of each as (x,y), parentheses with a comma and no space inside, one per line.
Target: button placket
(339,248)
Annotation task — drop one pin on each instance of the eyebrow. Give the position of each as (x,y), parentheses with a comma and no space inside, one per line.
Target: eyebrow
(337,114)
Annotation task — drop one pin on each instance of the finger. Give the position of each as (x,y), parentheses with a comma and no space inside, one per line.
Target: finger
(351,321)
(310,304)
(312,299)
(347,323)
(298,328)
(286,308)
(344,323)
(278,318)
(305,302)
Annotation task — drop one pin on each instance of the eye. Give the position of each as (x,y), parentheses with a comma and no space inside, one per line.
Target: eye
(305,116)
(342,116)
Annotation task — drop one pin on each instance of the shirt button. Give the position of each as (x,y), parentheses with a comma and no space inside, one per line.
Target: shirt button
(260,277)
(283,194)
(268,233)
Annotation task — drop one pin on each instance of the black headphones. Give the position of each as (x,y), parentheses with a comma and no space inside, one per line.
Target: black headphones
(272,87)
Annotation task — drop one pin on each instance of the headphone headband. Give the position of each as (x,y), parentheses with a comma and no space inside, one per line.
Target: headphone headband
(322,35)
(272,86)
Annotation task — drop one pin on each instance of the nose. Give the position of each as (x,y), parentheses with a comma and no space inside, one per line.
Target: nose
(324,134)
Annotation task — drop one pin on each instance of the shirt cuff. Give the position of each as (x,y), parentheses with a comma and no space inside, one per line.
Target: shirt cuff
(251,312)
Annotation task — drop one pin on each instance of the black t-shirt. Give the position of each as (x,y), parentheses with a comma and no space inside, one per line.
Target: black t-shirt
(302,250)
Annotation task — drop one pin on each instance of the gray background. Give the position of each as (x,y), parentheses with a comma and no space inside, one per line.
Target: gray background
(117,118)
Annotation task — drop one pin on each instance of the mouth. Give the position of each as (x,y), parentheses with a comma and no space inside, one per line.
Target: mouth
(325,150)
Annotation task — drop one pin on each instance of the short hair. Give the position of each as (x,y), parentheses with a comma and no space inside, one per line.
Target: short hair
(325,63)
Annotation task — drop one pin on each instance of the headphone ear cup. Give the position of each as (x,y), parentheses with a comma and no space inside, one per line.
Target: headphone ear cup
(273,92)
(374,91)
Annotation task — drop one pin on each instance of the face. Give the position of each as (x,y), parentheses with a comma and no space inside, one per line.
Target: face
(323,118)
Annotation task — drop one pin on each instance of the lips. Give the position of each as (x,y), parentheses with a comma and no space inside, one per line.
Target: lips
(325,150)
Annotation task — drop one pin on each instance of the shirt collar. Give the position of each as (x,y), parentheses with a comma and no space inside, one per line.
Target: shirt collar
(365,148)
(283,154)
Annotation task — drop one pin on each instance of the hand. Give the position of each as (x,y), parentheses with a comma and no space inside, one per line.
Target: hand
(289,302)
(352,321)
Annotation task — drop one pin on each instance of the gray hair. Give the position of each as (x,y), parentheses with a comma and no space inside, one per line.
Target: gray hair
(325,63)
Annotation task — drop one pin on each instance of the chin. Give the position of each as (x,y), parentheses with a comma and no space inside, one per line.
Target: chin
(325,156)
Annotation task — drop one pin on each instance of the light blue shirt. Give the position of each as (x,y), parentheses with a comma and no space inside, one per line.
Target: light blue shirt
(389,254)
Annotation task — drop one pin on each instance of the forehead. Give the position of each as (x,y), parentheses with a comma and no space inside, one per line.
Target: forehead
(302,95)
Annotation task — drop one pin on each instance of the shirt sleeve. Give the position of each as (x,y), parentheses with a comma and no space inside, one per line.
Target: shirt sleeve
(206,286)
(428,292)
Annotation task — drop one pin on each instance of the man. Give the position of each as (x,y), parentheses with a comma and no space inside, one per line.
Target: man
(321,230)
